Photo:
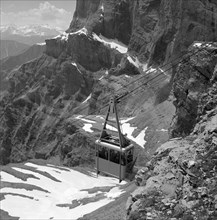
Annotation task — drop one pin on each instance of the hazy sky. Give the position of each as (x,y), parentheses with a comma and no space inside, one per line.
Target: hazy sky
(54,13)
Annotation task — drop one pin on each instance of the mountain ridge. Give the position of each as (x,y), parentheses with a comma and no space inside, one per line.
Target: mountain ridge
(29,34)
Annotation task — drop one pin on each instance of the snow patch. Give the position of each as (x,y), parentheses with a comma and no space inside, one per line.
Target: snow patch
(64,36)
(200,44)
(150,70)
(41,44)
(137,63)
(83,119)
(127,129)
(101,77)
(87,98)
(102,8)
(98,116)
(81,31)
(112,43)
(197,44)
(114,192)
(111,128)
(87,127)
(75,64)
(126,120)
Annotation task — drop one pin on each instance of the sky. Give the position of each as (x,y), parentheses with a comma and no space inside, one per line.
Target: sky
(54,13)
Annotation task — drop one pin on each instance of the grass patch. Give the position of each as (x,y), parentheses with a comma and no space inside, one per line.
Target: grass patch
(83,201)
(5,216)
(33,169)
(73,205)
(96,189)
(14,194)
(28,187)
(17,174)
(96,198)
(23,176)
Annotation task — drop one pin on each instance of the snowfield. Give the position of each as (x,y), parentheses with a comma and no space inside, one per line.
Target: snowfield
(66,194)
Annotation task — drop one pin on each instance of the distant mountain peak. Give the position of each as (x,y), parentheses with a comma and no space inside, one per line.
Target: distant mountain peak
(29,30)
(28,34)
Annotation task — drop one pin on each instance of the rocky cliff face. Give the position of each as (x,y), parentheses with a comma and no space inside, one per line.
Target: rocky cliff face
(163,30)
(180,180)
(191,88)
(157,30)
(113,19)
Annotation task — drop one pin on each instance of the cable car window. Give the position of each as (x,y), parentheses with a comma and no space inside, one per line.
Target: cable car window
(129,156)
(123,159)
(103,153)
(114,156)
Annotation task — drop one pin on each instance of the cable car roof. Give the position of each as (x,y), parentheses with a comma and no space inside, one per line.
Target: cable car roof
(113,146)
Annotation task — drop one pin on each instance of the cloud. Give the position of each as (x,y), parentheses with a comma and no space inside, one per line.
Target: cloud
(49,12)
(46,13)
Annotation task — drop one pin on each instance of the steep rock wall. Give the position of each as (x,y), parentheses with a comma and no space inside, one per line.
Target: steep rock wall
(111,18)
(156,30)
(179,182)
(163,30)
(191,83)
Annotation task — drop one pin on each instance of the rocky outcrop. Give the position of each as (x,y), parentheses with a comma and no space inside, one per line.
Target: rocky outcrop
(85,50)
(110,18)
(163,30)
(191,85)
(156,31)
(92,55)
(179,182)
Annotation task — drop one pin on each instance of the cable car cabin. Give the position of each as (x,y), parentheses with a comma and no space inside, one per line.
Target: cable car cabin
(114,152)
(110,159)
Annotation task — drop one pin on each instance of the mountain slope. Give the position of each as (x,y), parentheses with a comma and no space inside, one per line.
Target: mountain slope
(84,62)
(11,48)
(166,78)
(12,62)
